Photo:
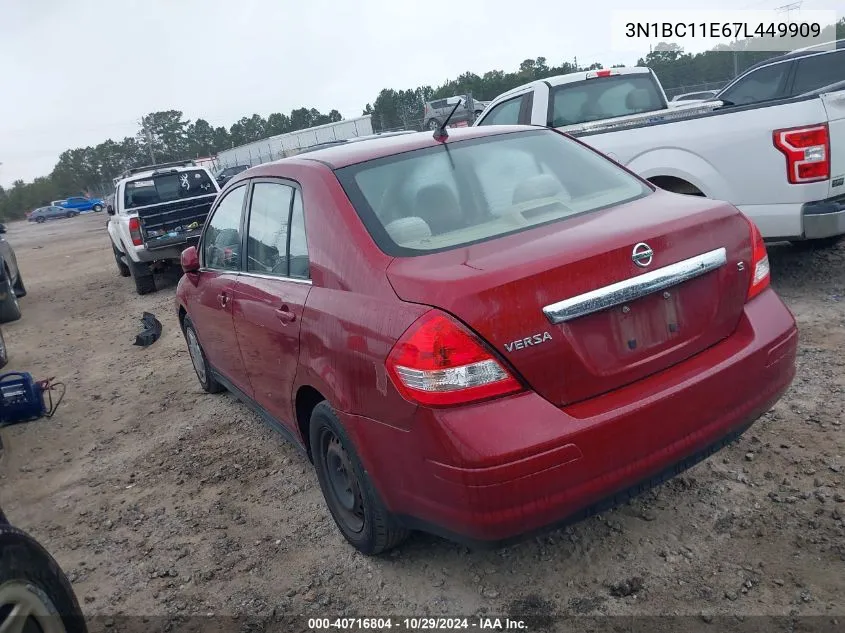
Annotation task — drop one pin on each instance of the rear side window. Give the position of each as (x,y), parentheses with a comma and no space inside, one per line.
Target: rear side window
(464,192)
(819,71)
(505,113)
(603,98)
(276,242)
(762,84)
(221,243)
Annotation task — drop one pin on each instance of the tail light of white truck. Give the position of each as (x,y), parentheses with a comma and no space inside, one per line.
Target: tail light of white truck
(807,151)
(135,232)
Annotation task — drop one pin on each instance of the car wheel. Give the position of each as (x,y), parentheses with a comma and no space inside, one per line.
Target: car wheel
(10,309)
(4,353)
(433,124)
(20,288)
(122,268)
(198,359)
(141,274)
(40,220)
(98,207)
(352,499)
(69,214)
(35,595)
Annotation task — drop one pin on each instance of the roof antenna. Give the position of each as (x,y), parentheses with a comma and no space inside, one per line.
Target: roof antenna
(440,134)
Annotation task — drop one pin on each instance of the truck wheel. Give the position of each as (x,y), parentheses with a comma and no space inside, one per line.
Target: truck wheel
(20,289)
(4,353)
(122,268)
(10,309)
(145,283)
(33,584)
(198,359)
(821,243)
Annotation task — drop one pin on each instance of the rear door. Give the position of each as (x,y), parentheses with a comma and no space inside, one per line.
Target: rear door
(270,295)
(220,264)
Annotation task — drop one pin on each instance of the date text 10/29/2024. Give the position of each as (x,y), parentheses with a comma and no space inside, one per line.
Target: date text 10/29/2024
(417,624)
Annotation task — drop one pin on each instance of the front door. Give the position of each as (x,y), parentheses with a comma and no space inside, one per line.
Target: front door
(220,266)
(270,295)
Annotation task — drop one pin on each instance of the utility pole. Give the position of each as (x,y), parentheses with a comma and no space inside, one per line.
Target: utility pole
(149,136)
(789,8)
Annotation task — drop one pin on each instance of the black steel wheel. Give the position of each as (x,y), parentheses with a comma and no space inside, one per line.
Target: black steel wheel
(350,495)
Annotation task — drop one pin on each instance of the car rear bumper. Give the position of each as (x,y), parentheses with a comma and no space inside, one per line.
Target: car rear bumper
(497,470)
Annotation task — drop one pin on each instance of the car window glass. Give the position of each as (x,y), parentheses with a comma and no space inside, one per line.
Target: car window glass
(267,236)
(604,98)
(299,266)
(761,85)
(222,239)
(505,113)
(819,71)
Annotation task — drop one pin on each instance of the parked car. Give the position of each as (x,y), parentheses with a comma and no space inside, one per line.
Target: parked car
(57,203)
(80,204)
(12,287)
(42,214)
(780,161)
(228,173)
(158,211)
(436,111)
(517,331)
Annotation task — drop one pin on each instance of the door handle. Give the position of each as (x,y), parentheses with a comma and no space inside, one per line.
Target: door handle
(223,298)
(285,315)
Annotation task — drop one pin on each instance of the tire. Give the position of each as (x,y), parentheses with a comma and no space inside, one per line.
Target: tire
(98,208)
(141,274)
(198,359)
(20,288)
(122,268)
(349,493)
(40,220)
(819,244)
(4,352)
(31,578)
(69,214)
(10,309)
(432,124)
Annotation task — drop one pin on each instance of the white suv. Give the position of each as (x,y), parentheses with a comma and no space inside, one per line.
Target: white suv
(158,211)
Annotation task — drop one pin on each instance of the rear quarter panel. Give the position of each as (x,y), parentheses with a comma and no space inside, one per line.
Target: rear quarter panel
(834,104)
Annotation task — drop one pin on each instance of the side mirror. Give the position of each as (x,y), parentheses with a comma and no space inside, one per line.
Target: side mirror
(190,260)
(109,209)
(2,228)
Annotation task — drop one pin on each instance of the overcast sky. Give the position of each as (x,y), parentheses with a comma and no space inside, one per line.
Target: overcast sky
(76,72)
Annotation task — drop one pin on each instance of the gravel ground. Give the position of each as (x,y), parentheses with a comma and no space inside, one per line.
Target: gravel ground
(158,499)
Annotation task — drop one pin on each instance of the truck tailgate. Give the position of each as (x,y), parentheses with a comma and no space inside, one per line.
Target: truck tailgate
(834,104)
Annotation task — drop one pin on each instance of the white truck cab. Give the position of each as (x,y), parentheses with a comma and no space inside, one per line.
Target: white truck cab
(158,211)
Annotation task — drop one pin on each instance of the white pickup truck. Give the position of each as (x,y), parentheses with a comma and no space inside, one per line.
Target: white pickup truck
(780,161)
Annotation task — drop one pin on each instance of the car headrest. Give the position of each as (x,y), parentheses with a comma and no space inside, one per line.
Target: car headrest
(436,200)
(638,99)
(406,230)
(536,187)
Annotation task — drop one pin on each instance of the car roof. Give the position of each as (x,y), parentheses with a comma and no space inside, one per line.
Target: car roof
(347,154)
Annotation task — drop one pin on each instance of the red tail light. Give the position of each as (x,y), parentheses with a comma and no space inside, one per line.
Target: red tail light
(437,362)
(135,231)
(807,151)
(760,274)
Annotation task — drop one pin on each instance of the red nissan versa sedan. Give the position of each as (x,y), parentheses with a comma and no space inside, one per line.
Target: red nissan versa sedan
(486,334)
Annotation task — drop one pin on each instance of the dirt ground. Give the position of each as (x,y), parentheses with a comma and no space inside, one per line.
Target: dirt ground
(158,499)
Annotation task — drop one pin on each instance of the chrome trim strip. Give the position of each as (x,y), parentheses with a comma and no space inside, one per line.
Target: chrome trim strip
(635,287)
(275,277)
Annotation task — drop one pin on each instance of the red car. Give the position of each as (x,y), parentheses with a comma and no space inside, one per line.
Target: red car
(486,334)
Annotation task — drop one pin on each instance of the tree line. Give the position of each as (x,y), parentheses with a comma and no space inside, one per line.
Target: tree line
(166,136)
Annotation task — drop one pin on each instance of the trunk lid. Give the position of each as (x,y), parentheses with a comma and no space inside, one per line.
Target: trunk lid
(500,287)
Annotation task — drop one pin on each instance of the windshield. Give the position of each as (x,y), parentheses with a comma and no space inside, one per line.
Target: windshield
(604,98)
(167,188)
(469,191)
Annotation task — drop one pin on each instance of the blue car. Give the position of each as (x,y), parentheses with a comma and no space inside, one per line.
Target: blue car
(82,205)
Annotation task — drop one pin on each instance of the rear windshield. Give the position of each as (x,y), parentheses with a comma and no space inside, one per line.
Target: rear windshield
(167,188)
(604,98)
(464,192)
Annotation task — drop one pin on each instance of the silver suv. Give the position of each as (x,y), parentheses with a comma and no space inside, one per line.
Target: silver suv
(437,111)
